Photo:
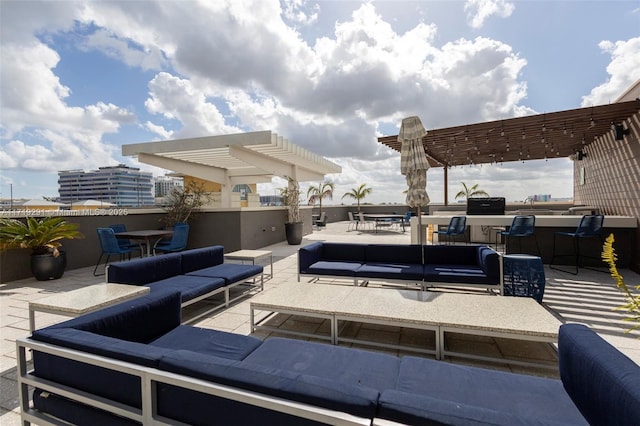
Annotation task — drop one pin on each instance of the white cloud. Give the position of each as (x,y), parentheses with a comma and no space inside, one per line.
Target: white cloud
(294,11)
(623,70)
(478,11)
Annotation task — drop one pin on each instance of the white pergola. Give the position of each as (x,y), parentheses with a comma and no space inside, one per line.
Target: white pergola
(242,158)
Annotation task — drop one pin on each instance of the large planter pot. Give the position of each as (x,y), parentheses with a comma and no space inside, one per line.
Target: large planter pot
(45,267)
(293,231)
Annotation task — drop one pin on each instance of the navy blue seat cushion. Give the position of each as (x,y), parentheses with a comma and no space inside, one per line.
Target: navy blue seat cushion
(393,253)
(429,390)
(489,261)
(457,274)
(450,255)
(358,400)
(337,268)
(602,381)
(208,341)
(142,319)
(230,272)
(343,365)
(145,270)
(74,412)
(201,258)
(189,286)
(391,270)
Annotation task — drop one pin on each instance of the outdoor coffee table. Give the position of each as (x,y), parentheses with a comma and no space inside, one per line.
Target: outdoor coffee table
(441,313)
(84,300)
(252,256)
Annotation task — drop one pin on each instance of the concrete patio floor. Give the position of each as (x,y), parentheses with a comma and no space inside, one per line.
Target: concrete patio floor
(589,298)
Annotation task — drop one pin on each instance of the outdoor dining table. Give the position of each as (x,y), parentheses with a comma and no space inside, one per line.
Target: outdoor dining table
(145,237)
(381,217)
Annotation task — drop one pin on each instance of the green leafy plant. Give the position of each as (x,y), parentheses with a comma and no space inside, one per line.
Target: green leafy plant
(42,236)
(319,192)
(358,193)
(181,202)
(633,301)
(469,192)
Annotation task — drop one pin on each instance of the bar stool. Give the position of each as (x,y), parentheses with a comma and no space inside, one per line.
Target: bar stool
(590,226)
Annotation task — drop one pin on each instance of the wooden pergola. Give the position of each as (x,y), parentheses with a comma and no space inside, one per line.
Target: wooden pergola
(533,137)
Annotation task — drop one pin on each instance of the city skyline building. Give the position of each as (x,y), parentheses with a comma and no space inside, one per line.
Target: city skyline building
(121,185)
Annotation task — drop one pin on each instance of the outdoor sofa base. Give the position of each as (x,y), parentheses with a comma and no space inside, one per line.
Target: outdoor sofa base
(469,265)
(197,274)
(134,363)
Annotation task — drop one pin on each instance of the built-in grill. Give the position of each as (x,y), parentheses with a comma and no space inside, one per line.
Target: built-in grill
(489,205)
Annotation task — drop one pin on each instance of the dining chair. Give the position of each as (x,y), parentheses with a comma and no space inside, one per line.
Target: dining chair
(362,221)
(123,242)
(109,246)
(590,226)
(522,226)
(322,221)
(457,226)
(178,240)
(353,223)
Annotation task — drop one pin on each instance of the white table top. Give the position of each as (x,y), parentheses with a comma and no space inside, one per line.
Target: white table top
(518,315)
(90,298)
(248,254)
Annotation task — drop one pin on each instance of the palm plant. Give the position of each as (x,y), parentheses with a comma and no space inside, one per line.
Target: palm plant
(42,236)
(320,191)
(470,192)
(358,193)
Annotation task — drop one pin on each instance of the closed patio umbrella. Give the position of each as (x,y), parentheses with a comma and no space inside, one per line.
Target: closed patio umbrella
(414,165)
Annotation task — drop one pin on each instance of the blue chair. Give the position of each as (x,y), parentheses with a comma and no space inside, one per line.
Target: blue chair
(590,226)
(521,227)
(407,221)
(178,240)
(457,226)
(109,245)
(122,242)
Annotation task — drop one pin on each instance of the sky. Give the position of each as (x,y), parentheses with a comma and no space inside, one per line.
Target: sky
(81,78)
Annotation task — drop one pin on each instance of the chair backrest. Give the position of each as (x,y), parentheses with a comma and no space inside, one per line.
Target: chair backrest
(108,240)
(407,217)
(120,227)
(457,225)
(350,214)
(590,225)
(523,226)
(180,235)
(361,217)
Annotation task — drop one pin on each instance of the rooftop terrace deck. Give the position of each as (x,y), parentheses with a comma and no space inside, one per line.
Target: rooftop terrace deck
(588,298)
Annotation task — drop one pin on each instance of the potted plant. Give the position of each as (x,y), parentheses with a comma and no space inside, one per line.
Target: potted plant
(43,237)
(293,227)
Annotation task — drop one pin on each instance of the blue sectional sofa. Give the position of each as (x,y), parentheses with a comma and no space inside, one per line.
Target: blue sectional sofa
(134,363)
(197,274)
(468,265)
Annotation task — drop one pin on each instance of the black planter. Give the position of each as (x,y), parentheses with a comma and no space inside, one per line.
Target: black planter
(293,231)
(45,267)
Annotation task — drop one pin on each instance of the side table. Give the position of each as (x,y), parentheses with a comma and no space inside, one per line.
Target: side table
(524,276)
(252,256)
(83,300)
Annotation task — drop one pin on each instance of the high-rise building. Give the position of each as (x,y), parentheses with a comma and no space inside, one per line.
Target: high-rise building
(121,185)
(164,185)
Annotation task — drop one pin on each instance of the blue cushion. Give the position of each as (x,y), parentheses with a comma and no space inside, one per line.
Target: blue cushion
(230,272)
(392,271)
(489,261)
(393,253)
(201,258)
(75,412)
(142,319)
(457,274)
(145,270)
(208,341)
(319,391)
(344,252)
(336,268)
(308,255)
(602,381)
(344,365)
(450,255)
(457,394)
(189,287)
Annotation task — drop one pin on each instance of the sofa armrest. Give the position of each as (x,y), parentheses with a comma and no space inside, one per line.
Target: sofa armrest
(308,255)
(489,261)
(602,382)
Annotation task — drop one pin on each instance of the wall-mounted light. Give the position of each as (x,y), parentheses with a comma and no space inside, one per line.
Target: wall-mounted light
(619,131)
(581,155)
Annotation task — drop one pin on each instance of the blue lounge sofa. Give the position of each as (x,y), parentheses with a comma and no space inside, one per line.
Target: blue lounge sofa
(468,265)
(197,274)
(135,363)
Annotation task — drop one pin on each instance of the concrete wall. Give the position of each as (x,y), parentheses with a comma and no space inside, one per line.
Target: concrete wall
(609,178)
